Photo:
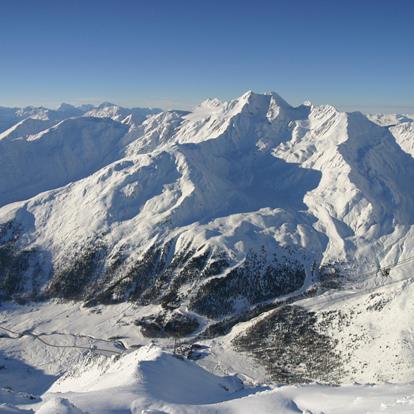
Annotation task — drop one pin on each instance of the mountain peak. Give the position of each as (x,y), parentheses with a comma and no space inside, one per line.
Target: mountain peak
(106,104)
(66,107)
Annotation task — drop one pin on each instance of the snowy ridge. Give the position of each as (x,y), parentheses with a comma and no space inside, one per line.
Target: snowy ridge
(11,116)
(56,156)
(390,119)
(403,134)
(118,113)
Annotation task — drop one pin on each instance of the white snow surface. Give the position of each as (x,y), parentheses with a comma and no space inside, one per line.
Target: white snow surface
(150,381)
(390,119)
(403,134)
(231,176)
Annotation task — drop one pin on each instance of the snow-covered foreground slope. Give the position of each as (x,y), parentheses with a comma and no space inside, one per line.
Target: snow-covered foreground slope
(280,238)
(150,381)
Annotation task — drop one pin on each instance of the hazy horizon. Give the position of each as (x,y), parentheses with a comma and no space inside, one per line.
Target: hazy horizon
(408,110)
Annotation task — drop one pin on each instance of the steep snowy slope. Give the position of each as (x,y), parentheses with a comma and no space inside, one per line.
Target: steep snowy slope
(26,127)
(364,193)
(403,134)
(71,147)
(218,215)
(54,157)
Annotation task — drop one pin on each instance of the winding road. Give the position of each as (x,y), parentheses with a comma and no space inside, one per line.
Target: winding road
(19,335)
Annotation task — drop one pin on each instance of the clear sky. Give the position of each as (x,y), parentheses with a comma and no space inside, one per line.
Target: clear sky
(355,54)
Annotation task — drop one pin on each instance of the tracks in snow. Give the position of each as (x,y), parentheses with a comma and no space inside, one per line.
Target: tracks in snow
(39,336)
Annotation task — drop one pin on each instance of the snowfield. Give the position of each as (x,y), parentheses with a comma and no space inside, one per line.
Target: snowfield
(193,262)
(149,381)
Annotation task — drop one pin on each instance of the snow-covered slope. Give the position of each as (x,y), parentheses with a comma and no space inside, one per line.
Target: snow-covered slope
(54,157)
(149,381)
(214,217)
(403,134)
(11,116)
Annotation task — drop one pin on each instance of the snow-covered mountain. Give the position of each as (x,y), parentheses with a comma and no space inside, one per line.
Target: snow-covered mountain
(118,113)
(390,119)
(238,220)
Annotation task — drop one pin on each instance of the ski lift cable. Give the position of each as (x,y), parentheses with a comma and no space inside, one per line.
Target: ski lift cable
(382,268)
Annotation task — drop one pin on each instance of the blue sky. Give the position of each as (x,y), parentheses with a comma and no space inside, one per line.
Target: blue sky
(357,55)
